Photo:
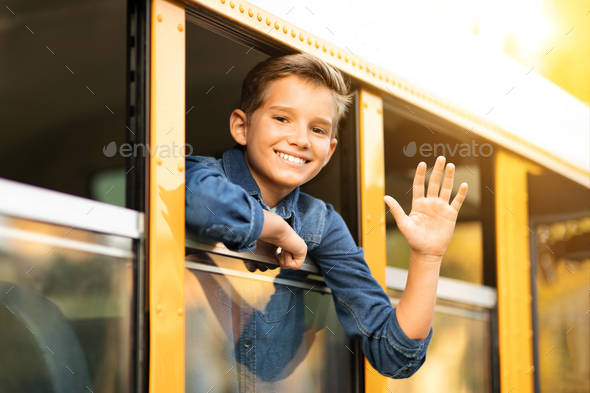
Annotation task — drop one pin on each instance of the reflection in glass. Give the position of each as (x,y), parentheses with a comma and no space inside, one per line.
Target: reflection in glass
(65,309)
(457,358)
(264,332)
(562,280)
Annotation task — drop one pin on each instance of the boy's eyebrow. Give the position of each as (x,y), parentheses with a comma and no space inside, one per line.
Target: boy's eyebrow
(290,110)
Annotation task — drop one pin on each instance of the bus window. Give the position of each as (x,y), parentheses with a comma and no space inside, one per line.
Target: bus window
(263,332)
(407,143)
(461,336)
(63,77)
(460,348)
(560,267)
(273,329)
(66,298)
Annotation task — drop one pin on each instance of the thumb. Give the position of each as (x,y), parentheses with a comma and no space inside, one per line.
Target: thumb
(396,210)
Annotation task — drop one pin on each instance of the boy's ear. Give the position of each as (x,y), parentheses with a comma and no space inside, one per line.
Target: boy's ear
(238,125)
(333,143)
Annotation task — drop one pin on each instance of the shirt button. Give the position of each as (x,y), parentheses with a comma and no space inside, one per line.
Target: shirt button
(247,343)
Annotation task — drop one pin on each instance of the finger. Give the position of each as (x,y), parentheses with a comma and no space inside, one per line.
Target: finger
(282,259)
(296,264)
(288,260)
(250,266)
(396,210)
(434,183)
(460,197)
(447,186)
(418,186)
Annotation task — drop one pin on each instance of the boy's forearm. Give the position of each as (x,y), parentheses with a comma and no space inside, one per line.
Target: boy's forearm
(273,227)
(415,309)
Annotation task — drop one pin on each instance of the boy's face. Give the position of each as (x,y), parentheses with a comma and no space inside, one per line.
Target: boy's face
(289,139)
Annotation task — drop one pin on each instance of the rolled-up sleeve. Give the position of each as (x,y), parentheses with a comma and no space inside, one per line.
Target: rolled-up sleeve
(220,210)
(362,306)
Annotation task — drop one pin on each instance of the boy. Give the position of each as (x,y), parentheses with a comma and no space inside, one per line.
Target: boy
(286,133)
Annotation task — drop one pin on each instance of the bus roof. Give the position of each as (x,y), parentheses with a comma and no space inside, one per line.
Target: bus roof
(474,85)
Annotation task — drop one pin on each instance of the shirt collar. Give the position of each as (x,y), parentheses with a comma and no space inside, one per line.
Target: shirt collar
(238,173)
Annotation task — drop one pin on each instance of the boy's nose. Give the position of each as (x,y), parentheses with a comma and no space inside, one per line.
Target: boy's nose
(299,137)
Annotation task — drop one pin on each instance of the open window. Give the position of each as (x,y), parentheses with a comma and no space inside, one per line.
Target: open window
(462,343)
(271,328)
(560,267)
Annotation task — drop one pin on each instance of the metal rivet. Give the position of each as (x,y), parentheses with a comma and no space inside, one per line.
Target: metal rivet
(386,79)
(222,1)
(159,18)
(366,105)
(267,22)
(332,52)
(159,161)
(353,62)
(339,55)
(309,41)
(250,13)
(241,8)
(379,111)
(180,28)
(301,38)
(380,77)
(232,4)
(293,34)
(361,66)
(346,59)
(180,167)
(277,26)
(324,48)
(259,17)
(317,44)
(285,30)
(180,311)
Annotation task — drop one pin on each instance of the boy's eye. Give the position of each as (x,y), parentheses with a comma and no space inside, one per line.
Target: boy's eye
(280,118)
(319,130)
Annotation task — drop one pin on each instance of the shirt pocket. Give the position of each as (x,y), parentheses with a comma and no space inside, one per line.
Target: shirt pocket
(278,305)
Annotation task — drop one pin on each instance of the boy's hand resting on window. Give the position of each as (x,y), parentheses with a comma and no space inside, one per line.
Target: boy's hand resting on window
(429,227)
(293,248)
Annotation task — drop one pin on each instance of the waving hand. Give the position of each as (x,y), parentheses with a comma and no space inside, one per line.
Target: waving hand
(429,227)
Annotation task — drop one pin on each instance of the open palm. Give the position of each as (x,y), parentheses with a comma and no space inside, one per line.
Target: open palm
(429,227)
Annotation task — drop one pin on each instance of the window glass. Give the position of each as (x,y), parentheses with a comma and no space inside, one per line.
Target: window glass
(65,314)
(562,272)
(263,332)
(407,143)
(457,358)
(63,76)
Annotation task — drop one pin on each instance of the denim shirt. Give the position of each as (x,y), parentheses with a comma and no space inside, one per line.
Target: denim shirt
(224,203)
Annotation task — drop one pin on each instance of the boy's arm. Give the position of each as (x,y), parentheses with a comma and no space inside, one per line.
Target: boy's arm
(394,339)
(223,211)
(220,210)
(428,230)
(362,306)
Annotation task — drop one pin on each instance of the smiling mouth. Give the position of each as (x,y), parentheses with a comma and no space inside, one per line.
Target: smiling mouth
(294,160)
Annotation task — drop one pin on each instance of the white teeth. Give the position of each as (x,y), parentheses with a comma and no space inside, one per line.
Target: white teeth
(290,158)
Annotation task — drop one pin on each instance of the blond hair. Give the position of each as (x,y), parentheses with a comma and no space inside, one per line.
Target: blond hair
(307,67)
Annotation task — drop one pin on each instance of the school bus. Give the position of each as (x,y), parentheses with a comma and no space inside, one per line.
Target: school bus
(104,290)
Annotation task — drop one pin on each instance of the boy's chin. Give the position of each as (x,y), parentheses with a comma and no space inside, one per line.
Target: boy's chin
(291,182)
